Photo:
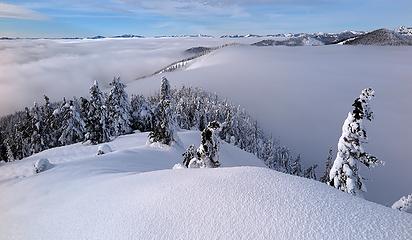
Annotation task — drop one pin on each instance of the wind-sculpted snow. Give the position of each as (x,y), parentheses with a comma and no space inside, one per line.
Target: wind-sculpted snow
(119,195)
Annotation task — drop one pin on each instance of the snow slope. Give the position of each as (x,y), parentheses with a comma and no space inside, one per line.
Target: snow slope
(120,196)
(303,94)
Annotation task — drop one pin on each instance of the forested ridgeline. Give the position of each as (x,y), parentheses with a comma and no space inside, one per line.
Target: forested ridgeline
(104,116)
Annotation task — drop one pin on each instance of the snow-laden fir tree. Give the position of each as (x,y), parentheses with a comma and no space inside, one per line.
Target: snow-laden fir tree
(188,155)
(142,114)
(3,149)
(296,167)
(73,126)
(182,118)
(11,150)
(37,137)
(269,154)
(96,119)
(283,160)
(50,125)
(163,127)
(328,166)
(403,204)
(207,155)
(118,108)
(344,174)
(310,172)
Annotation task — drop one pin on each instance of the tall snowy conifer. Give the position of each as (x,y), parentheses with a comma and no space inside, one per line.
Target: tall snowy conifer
(118,108)
(328,166)
(296,167)
(73,126)
(269,154)
(344,174)
(142,114)
(3,149)
(37,137)
(163,127)
(96,119)
(50,128)
(310,172)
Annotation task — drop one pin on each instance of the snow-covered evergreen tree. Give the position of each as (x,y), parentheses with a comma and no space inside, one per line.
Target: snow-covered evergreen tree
(73,126)
(96,120)
(207,155)
(50,125)
(403,204)
(10,150)
(188,155)
(142,114)
(37,137)
(344,174)
(283,159)
(269,154)
(118,108)
(163,127)
(310,172)
(296,167)
(328,166)
(3,149)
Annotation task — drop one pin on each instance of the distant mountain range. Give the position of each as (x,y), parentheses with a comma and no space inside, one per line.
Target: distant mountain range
(382,37)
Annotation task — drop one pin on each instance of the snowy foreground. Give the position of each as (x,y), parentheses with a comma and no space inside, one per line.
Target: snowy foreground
(133,193)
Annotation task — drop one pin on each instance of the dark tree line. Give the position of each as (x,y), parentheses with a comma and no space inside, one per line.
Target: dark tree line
(104,116)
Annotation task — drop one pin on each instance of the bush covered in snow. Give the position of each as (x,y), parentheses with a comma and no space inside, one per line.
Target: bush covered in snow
(103,149)
(42,165)
(403,204)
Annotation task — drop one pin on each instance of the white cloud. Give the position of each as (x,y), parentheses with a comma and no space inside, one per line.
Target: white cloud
(19,12)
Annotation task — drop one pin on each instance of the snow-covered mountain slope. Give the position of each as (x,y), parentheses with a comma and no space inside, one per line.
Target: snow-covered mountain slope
(302,95)
(120,195)
(298,41)
(381,37)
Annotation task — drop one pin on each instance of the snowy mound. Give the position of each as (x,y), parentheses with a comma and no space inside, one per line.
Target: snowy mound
(103,149)
(42,165)
(227,203)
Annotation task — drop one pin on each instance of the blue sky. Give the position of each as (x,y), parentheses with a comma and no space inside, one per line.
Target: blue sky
(65,18)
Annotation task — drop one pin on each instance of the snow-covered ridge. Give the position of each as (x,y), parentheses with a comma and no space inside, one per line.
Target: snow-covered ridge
(122,195)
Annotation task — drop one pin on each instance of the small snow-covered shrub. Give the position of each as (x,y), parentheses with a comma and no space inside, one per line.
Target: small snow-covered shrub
(189,155)
(178,166)
(403,204)
(197,163)
(42,165)
(103,149)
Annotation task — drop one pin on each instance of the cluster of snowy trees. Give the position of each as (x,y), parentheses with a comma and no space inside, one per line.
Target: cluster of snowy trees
(104,116)
(97,120)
